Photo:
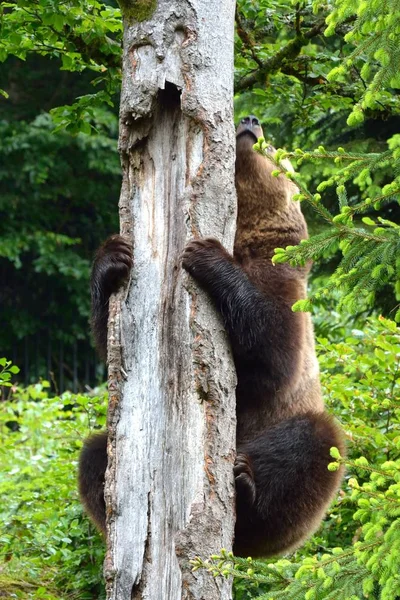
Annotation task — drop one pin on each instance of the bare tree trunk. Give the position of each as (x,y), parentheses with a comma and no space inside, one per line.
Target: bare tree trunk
(169,489)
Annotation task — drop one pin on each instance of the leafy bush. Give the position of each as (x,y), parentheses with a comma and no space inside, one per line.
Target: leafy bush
(7,370)
(48,549)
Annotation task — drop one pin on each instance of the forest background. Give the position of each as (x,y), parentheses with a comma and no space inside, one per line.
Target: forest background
(323,78)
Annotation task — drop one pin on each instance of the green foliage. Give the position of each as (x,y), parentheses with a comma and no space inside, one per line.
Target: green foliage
(360,377)
(306,86)
(282,57)
(56,209)
(83,116)
(316,73)
(370,253)
(48,549)
(59,186)
(7,370)
(374,35)
(309,64)
(82,34)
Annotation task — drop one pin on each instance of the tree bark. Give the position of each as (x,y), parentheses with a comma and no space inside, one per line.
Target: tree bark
(171,422)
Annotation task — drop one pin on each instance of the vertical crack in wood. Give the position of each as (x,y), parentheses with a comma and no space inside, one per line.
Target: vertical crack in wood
(137,587)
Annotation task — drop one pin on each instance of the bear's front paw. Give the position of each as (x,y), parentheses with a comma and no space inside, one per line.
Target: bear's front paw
(201,254)
(244,479)
(112,265)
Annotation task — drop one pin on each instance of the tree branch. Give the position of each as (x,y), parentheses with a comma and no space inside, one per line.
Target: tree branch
(94,51)
(302,76)
(288,52)
(246,38)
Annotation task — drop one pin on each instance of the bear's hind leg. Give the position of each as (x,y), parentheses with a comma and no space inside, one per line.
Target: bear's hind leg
(283,486)
(92,470)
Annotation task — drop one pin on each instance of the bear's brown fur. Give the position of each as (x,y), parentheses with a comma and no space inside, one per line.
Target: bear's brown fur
(283,434)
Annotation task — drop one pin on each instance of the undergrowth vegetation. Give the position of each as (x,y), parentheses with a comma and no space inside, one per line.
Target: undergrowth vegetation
(49,549)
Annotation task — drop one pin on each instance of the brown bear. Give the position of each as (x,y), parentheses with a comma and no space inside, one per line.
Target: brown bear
(284,436)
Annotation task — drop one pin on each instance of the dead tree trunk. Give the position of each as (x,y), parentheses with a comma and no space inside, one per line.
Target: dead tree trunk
(169,490)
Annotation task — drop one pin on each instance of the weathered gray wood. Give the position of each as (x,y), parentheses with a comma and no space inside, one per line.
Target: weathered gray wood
(169,489)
